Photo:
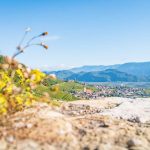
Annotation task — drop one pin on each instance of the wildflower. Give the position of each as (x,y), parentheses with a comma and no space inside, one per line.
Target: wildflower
(28,81)
(26,75)
(45,46)
(55,88)
(2,84)
(19,100)
(3,104)
(8,60)
(19,77)
(20,66)
(28,89)
(32,85)
(19,48)
(16,89)
(28,70)
(52,76)
(3,111)
(9,89)
(44,33)
(33,77)
(29,43)
(19,73)
(37,76)
(4,77)
(28,102)
(14,63)
(5,66)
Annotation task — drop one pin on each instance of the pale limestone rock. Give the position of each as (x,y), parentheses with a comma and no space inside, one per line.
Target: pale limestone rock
(28,145)
(3,144)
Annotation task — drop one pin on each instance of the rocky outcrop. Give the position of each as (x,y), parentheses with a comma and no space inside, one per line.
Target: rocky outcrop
(44,127)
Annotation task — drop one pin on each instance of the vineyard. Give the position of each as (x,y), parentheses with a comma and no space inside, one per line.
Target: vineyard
(20,87)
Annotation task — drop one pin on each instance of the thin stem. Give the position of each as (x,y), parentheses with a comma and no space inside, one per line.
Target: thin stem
(16,54)
(23,38)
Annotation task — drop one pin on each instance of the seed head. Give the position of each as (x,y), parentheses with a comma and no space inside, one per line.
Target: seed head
(19,48)
(44,45)
(44,34)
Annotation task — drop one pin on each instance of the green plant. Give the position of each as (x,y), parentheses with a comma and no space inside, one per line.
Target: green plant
(1,59)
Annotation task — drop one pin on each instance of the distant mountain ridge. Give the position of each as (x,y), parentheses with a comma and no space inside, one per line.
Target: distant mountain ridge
(109,75)
(93,68)
(62,74)
(128,72)
(138,69)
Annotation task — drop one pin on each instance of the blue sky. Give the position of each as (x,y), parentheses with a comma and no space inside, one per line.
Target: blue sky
(81,32)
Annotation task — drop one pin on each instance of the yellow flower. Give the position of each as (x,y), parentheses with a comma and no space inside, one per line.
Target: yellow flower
(55,88)
(38,75)
(3,104)
(19,100)
(28,102)
(19,77)
(9,89)
(3,111)
(4,76)
(28,81)
(19,73)
(2,84)
(2,100)
(28,89)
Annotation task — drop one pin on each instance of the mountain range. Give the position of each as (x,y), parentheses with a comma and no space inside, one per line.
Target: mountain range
(128,72)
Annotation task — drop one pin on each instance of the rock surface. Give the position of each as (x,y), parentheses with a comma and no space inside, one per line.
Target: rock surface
(135,110)
(74,125)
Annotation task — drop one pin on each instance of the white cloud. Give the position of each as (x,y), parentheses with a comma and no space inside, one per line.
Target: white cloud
(56,68)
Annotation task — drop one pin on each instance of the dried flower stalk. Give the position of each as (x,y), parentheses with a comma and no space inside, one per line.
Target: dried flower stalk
(21,49)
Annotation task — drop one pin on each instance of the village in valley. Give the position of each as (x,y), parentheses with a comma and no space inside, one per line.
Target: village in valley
(110,91)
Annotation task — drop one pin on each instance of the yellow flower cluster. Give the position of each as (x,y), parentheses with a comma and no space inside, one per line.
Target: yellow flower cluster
(4,76)
(19,76)
(37,76)
(20,101)
(4,79)
(16,88)
(3,104)
(2,85)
